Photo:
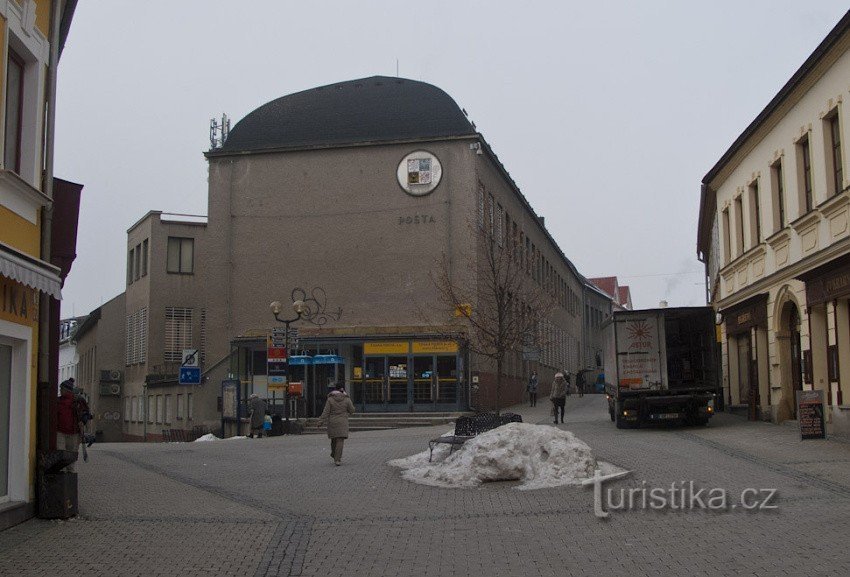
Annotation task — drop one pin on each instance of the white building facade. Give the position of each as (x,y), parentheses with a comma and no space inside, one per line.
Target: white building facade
(774,233)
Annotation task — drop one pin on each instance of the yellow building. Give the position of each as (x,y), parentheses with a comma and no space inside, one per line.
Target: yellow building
(31,35)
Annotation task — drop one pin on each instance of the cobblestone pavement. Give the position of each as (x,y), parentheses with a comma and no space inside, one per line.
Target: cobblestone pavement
(280,507)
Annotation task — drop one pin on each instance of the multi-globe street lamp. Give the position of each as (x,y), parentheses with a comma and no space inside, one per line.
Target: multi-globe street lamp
(310,308)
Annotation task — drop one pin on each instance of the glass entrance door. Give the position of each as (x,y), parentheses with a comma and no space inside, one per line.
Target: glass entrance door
(397,383)
(447,381)
(423,380)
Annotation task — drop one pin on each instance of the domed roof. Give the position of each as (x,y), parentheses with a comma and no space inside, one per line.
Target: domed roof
(376,109)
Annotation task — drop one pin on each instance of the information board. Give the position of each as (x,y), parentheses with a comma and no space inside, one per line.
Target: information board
(810,412)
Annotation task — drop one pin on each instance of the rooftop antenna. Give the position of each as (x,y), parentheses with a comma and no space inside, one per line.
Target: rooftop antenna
(219,132)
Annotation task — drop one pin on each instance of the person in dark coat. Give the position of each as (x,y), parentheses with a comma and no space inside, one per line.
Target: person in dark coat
(257,406)
(337,409)
(532,389)
(558,395)
(73,413)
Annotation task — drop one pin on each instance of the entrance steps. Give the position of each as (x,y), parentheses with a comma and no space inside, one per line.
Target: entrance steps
(385,421)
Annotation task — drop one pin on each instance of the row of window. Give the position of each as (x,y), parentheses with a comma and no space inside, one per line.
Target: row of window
(498,225)
(137,262)
(179,322)
(738,223)
(593,317)
(179,258)
(159,409)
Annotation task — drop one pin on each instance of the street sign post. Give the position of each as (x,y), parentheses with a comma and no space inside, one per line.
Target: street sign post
(190,370)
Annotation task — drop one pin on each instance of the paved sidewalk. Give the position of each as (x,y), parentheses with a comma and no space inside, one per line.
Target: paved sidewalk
(279,507)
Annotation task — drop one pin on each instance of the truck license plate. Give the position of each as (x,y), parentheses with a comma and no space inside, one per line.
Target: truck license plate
(661,416)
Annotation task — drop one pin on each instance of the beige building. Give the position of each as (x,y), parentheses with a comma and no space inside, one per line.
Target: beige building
(362,188)
(163,316)
(98,340)
(774,235)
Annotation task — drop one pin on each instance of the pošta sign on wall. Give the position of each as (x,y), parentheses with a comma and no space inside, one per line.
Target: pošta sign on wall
(811,414)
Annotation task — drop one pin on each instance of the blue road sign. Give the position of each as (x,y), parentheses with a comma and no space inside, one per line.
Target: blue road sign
(190,375)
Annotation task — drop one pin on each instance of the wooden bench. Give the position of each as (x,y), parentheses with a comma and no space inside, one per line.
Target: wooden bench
(469,427)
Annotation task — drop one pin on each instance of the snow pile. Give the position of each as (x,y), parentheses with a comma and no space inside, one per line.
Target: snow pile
(211,437)
(539,456)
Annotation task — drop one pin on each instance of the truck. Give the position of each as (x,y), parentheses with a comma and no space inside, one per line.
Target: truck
(661,366)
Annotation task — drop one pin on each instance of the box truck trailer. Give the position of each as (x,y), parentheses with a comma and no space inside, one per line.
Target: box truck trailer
(661,366)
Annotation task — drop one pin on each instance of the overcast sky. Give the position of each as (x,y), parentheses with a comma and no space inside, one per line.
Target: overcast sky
(606,114)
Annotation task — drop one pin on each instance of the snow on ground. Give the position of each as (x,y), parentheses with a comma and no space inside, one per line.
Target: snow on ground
(539,456)
(211,437)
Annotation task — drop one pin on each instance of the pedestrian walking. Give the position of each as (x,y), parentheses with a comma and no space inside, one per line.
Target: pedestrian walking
(580,382)
(558,396)
(258,407)
(337,409)
(73,414)
(532,389)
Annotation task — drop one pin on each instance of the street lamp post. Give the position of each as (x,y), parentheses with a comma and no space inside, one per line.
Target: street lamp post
(299,308)
(311,307)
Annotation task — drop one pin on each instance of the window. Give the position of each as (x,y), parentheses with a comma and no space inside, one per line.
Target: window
(151,408)
(189,406)
(137,267)
(130,266)
(159,409)
(14,112)
(180,257)
(145,257)
(178,332)
(835,175)
(727,237)
(739,226)
(804,164)
(167,409)
(128,410)
(492,208)
(500,217)
(180,407)
(137,337)
(135,408)
(755,214)
(778,195)
(480,206)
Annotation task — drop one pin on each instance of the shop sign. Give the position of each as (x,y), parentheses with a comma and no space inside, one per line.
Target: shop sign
(743,317)
(18,303)
(828,287)
(434,347)
(811,414)
(276,387)
(386,348)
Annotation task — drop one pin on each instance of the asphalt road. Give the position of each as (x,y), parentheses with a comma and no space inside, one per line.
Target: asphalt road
(279,506)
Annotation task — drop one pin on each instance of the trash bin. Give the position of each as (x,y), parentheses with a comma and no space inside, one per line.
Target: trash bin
(277,426)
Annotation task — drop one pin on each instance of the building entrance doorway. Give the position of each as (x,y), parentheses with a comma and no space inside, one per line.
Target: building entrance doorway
(796,357)
(748,376)
(397,383)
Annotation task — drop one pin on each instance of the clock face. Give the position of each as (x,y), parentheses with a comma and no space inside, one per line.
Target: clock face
(419,173)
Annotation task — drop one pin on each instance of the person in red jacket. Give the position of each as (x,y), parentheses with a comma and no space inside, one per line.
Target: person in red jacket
(73,412)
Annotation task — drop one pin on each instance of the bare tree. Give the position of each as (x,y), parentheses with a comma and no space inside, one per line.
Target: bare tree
(502,302)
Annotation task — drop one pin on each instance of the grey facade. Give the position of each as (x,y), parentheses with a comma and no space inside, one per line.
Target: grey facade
(289,212)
